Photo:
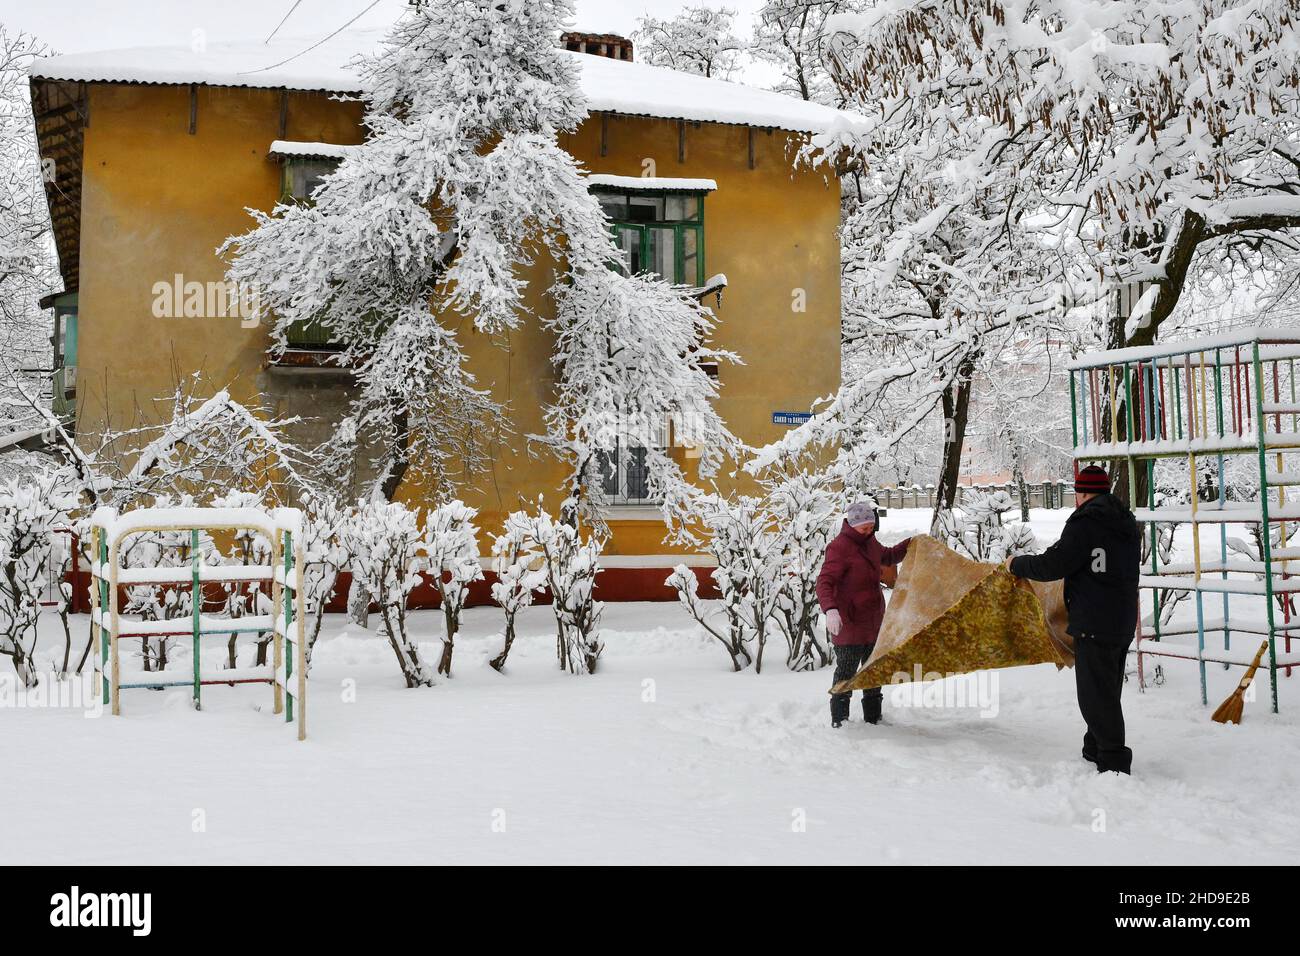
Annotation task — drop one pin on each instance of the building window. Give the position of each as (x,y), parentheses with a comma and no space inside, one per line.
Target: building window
(624,470)
(302,174)
(658,232)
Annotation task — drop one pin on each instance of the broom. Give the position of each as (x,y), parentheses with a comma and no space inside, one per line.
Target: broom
(1229,712)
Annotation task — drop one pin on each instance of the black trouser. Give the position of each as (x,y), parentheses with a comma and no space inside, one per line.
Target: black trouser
(849,659)
(1099,677)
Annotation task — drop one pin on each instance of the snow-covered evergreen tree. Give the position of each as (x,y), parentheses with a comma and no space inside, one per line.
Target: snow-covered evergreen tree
(460,185)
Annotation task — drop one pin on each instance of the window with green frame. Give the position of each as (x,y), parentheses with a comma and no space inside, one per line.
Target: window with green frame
(658,232)
(301,176)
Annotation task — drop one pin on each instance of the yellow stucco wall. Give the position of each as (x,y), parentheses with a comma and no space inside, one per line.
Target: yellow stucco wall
(157,201)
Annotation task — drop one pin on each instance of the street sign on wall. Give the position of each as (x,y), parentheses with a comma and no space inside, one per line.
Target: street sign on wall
(790,418)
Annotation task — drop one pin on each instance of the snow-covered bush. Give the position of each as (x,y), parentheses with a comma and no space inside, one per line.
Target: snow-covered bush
(451,543)
(730,634)
(520,571)
(804,506)
(325,555)
(570,565)
(385,541)
(30,510)
(743,537)
(976,529)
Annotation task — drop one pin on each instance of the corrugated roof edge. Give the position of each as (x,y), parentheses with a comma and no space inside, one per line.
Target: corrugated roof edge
(46,70)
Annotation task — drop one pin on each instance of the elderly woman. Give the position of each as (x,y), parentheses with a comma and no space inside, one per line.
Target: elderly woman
(849,592)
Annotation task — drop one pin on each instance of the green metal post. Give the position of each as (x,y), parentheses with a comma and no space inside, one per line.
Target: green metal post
(1074,413)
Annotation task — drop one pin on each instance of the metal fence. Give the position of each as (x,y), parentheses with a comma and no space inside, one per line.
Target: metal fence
(1041,494)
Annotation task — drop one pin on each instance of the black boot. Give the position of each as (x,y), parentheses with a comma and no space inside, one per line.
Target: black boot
(871,705)
(839,709)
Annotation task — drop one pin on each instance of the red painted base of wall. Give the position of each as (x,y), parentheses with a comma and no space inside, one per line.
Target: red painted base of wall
(612,584)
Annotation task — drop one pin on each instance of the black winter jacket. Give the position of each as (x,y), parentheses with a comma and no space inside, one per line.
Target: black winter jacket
(1098,556)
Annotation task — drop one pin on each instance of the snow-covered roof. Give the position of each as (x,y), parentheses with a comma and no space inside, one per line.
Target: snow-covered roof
(667,184)
(615,86)
(286,147)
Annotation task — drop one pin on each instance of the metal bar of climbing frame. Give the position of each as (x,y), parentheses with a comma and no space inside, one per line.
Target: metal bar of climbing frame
(1266,536)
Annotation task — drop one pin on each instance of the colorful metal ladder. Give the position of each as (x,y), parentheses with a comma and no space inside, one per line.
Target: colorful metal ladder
(1193,400)
(288,673)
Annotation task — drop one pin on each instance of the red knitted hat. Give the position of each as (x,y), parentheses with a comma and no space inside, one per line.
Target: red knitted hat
(1092,481)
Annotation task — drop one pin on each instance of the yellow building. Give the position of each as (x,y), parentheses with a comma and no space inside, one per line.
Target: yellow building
(158,152)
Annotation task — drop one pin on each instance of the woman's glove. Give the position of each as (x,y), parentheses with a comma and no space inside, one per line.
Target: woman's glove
(833,623)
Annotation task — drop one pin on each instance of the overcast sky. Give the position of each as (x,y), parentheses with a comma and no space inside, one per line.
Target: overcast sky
(71,26)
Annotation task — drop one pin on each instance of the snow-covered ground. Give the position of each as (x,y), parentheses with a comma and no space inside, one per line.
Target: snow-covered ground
(664,756)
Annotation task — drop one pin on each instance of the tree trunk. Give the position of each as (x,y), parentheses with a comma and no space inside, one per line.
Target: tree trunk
(359,603)
(398,460)
(499,662)
(956,409)
(449,642)
(1018,475)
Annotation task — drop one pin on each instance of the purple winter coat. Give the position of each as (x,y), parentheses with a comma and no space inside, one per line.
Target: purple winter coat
(849,582)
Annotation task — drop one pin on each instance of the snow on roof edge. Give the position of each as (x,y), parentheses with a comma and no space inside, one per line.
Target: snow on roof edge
(616,86)
(286,147)
(652,183)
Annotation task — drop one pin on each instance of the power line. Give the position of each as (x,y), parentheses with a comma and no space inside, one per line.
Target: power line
(323,39)
(282,19)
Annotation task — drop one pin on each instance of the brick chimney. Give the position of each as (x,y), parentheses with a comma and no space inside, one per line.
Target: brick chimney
(598,44)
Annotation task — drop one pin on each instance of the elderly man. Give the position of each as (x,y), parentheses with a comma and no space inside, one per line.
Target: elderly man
(1098,556)
(850,595)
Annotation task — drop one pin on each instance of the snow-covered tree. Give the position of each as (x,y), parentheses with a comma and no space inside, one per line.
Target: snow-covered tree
(976,529)
(1155,131)
(27,263)
(520,571)
(385,541)
(1024,152)
(788,34)
(30,510)
(451,545)
(700,40)
(460,185)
